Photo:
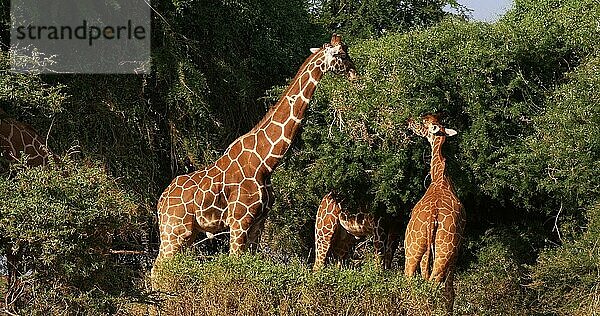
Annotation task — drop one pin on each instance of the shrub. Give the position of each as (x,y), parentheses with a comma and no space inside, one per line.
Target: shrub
(62,223)
(566,278)
(250,284)
(493,83)
(494,282)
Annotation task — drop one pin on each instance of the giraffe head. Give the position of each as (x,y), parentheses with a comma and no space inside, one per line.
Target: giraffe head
(430,128)
(336,59)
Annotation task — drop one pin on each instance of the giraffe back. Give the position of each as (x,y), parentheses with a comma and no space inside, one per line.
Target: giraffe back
(17,138)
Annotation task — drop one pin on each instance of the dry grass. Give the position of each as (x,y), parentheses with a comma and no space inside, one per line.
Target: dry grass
(254,286)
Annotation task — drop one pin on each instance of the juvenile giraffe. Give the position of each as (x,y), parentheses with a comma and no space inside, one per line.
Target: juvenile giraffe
(336,232)
(234,192)
(435,229)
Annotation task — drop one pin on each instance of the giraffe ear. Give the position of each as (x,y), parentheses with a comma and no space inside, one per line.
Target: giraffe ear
(450,132)
(314,50)
(335,39)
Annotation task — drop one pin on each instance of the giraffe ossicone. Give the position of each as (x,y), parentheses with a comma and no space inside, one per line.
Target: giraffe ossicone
(337,231)
(437,221)
(235,191)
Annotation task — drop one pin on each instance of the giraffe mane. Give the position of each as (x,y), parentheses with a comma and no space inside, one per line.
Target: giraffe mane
(269,115)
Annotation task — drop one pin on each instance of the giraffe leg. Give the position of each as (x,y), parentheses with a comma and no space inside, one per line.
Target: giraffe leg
(258,226)
(425,263)
(241,218)
(446,251)
(379,239)
(415,246)
(325,230)
(255,232)
(391,244)
(449,292)
(175,233)
(342,244)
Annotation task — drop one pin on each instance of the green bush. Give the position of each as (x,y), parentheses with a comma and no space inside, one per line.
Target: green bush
(494,84)
(373,18)
(253,285)
(213,61)
(494,282)
(567,278)
(62,223)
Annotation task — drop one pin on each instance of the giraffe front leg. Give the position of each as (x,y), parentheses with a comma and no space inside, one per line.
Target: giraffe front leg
(449,292)
(255,233)
(379,242)
(256,229)
(327,223)
(243,213)
(176,231)
(325,229)
(238,228)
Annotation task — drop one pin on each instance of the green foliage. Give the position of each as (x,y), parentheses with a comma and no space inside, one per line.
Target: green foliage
(367,19)
(523,94)
(214,61)
(493,284)
(492,83)
(568,138)
(62,222)
(566,278)
(26,92)
(250,284)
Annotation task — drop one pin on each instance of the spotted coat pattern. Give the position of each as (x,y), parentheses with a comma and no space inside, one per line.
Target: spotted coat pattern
(17,138)
(434,232)
(337,231)
(234,192)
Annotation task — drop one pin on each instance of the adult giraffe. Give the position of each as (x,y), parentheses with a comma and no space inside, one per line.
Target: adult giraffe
(435,229)
(234,192)
(18,139)
(336,232)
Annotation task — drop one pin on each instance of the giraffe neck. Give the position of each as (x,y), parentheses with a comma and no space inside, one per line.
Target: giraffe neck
(438,162)
(281,124)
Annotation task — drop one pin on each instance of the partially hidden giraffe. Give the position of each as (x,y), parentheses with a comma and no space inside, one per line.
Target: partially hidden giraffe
(17,139)
(337,231)
(235,191)
(437,221)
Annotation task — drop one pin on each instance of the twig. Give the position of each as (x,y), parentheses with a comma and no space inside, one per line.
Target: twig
(556,222)
(7,312)
(126,252)
(49,130)
(210,236)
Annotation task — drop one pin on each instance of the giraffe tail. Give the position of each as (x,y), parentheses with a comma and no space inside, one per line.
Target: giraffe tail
(429,256)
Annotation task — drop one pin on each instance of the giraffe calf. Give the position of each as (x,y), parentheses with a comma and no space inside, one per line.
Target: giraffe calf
(436,225)
(336,232)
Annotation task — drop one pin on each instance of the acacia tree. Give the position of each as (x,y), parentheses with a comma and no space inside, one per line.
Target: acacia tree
(372,18)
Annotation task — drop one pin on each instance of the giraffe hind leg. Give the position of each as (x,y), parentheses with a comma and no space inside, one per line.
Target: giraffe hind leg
(449,292)
(255,232)
(175,233)
(425,263)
